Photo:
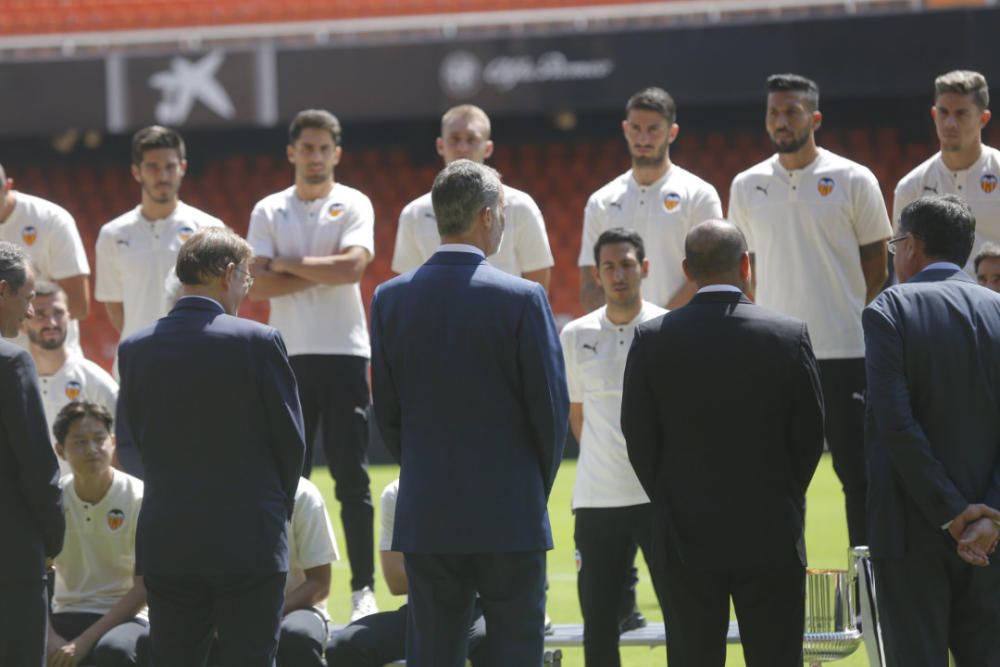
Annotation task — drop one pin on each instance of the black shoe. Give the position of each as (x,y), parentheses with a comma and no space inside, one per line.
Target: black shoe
(633,621)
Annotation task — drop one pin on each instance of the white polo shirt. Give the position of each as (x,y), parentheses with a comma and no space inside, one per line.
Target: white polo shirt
(524,247)
(96,565)
(596,350)
(136,257)
(311,542)
(322,319)
(662,214)
(387,502)
(79,379)
(805,228)
(48,235)
(978,186)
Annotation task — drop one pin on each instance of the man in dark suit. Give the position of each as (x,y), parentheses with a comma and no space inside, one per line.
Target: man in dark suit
(933,444)
(723,419)
(210,402)
(31,512)
(470,394)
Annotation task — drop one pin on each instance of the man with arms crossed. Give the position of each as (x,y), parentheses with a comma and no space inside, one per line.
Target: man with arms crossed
(210,402)
(98,606)
(313,242)
(48,235)
(657,198)
(613,514)
(30,498)
(524,250)
(933,445)
(964,166)
(136,251)
(723,416)
(469,385)
(816,226)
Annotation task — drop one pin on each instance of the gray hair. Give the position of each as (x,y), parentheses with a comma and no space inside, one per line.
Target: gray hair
(713,249)
(964,82)
(460,192)
(207,254)
(13,264)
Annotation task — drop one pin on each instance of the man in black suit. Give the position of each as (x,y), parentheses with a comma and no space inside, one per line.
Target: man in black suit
(723,419)
(31,513)
(210,401)
(933,444)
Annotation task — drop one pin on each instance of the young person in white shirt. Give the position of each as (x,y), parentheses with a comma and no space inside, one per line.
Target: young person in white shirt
(98,605)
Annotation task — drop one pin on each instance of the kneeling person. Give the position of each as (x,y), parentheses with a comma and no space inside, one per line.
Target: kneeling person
(98,608)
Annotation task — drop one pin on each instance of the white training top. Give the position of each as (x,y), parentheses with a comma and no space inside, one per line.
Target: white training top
(136,258)
(978,186)
(48,234)
(79,379)
(805,228)
(96,565)
(596,350)
(388,505)
(662,214)
(311,541)
(323,319)
(524,247)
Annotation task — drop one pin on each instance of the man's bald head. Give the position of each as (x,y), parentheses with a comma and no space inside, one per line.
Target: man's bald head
(714,252)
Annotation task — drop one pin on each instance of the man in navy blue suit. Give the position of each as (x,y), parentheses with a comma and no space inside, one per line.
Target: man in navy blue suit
(210,402)
(470,395)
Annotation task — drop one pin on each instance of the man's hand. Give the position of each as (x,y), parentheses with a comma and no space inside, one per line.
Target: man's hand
(979,541)
(969,515)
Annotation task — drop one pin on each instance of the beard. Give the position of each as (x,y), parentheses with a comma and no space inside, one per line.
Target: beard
(655,160)
(791,145)
(47,343)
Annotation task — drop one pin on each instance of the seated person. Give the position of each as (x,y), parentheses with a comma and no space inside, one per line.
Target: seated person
(380,638)
(98,605)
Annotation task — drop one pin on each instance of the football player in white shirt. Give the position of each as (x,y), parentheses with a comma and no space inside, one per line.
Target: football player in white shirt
(63,376)
(817,228)
(137,251)
(987,266)
(964,166)
(312,243)
(98,605)
(524,250)
(656,198)
(613,513)
(49,236)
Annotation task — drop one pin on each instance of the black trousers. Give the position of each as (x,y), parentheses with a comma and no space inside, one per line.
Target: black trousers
(335,399)
(186,611)
(442,598)
(380,639)
(119,647)
(606,540)
(24,609)
(930,602)
(843,382)
(769,604)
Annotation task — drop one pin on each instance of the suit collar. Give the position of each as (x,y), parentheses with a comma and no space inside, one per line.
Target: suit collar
(935,275)
(720,297)
(455,258)
(201,303)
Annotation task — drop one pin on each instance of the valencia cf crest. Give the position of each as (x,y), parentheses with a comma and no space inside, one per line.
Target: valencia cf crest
(29,235)
(988,183)
(335,210)
(73,389)
(116,519)
(825,186)
(185,233)
(671,201)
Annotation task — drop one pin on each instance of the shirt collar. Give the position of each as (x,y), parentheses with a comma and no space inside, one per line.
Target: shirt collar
(941,265)
(719,288)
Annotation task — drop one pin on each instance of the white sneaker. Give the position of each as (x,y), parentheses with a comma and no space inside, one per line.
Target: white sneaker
(363,603)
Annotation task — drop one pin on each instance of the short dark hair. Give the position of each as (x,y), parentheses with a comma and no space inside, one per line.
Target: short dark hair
(944,223)
(153,137)
(75,411)
(317,119)
(653,99)
(964,82)
(714,248)
(989,250)
(619,235)
(13,264)
(778,83)
(208,252)
(460,191)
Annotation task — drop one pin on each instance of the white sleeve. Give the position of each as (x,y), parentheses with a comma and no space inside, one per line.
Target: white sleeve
(870,220)
(259,233)
(706,205)
(532,249)
(108,286)
(406,253)
(593,217)
(906,193)
(573,382)
(312,532)
(388,505)
(105,389)
(66,256)
(738,213)
(360,229)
